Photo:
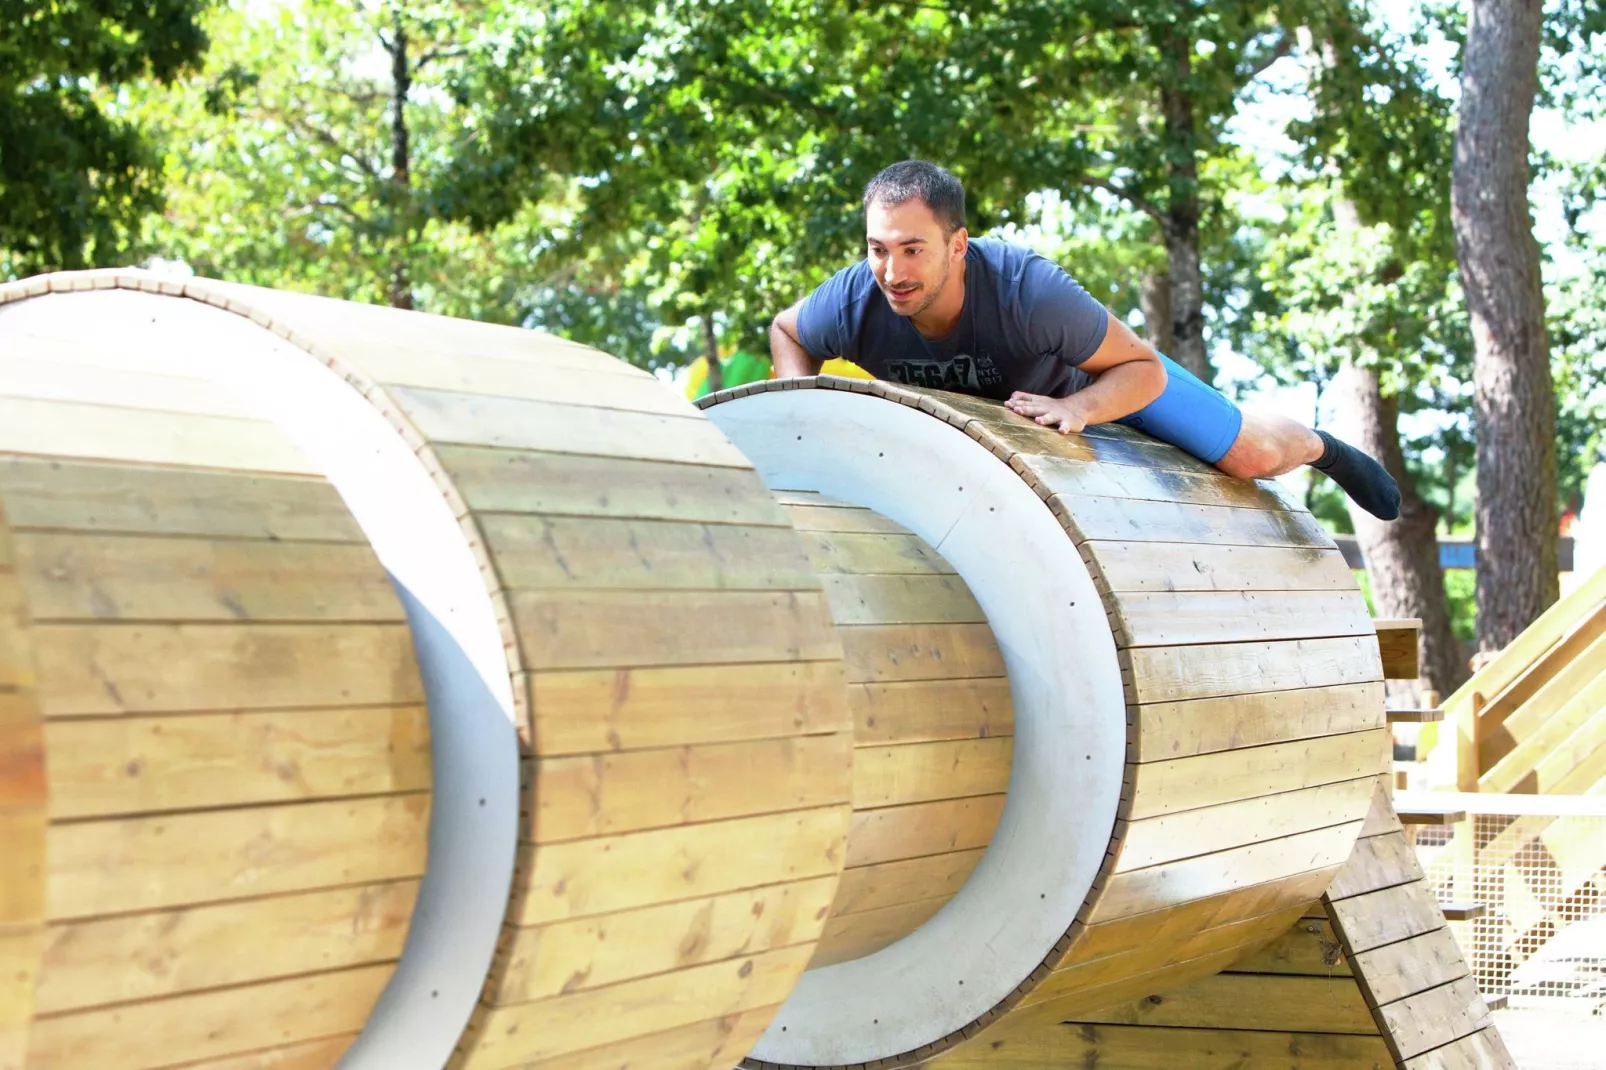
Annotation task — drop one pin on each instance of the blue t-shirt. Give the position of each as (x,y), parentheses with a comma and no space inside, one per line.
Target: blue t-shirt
(1026,325)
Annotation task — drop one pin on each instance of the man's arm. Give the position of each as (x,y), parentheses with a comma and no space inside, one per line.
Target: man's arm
(1127,375)
(786,352)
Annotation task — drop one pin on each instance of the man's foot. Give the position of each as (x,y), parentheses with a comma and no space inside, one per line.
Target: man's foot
(1366,482)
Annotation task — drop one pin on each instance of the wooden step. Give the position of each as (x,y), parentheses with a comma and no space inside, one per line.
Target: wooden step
(1462,911)
(1414,716)
(1397,642)
(1495,1003)
(1430,815)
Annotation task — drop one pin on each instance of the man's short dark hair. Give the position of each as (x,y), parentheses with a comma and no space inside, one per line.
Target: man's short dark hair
(936,187)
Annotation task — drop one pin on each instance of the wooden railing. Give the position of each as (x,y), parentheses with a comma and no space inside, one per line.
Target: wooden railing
(1534,719)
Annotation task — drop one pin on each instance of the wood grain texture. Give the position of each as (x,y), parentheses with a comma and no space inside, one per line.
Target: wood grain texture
(1253,687)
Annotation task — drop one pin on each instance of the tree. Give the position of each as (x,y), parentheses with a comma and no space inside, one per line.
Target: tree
(76,180)
(1499,258)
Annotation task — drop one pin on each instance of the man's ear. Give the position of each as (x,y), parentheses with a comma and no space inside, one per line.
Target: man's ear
(961,242)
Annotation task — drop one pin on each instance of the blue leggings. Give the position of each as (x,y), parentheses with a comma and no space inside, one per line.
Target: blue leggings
(1189,415)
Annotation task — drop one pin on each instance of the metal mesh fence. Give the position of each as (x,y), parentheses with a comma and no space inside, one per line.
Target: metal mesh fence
(1541,940)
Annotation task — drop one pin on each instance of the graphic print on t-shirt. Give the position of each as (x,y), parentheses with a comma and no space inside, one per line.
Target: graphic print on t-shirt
(958,374)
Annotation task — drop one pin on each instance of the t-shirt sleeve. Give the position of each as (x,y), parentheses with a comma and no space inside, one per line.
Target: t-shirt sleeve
(1059,317)
(823,321)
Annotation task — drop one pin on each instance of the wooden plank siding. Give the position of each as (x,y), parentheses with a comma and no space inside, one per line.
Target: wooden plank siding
(932,744)
(233,727)
(661,620)
(1256,731)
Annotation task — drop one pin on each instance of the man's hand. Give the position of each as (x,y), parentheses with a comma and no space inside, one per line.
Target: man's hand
(1063,414)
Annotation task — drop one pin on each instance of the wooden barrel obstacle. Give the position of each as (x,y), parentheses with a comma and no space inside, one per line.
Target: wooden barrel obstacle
(608,607)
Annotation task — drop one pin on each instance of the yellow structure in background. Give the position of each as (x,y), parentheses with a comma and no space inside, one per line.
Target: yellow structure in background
(741,368)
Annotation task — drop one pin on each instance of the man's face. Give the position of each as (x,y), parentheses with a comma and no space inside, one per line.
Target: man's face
(909,255)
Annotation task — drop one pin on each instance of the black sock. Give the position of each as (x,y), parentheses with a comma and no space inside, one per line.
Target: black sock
(1363,479)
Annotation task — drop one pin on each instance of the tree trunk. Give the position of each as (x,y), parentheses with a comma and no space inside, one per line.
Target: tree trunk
(401,287)
(1512,394)
(1402,556)
(1155,300)
(716,374)
(1181,224)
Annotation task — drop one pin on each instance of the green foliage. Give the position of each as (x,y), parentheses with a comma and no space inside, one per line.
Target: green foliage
(76,179)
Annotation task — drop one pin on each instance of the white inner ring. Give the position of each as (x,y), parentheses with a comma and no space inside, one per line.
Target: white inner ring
(473,828)
(1070,717)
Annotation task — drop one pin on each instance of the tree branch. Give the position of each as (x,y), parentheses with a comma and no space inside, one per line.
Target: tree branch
(1146,207)
(1284,46)
(438,53)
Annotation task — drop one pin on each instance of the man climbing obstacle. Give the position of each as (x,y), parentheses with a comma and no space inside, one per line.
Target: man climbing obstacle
(988,318)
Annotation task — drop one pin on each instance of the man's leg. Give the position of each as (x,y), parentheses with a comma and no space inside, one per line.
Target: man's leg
(1252,445)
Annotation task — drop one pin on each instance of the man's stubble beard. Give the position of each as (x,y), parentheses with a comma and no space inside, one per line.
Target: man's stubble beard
(931,296)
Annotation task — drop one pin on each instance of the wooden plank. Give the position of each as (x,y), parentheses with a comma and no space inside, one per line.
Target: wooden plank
(1241,934)
(1125,1047)
(561,484)
(1171,673)
(900,832)
(603,552)
(1415,716)
(23,893)
(101,432)
(930,599)
(141,764)
(610,794)
(209,1024)
(1134,450)
(589,953)
(1208,779)
(842,518)
(1575,765)
(531,1032)
(1062,475)
(923,772)
(873,554)
(1251,1001)
(1561,717)
(916,711)
(120,577)
(1385,917)
(537,377)
(1139,567)
(889,883)
(1397,642)
(1168,619)
(1381,818)
(164,953)
(1206,725)
(1463,911)
(19,969)
(1483,1050)
(1401,969)
(1309,947)
(1431,1019)
(73,374)
(607,875)
(1377,862)
(1129,520)
(17,661)
(147,863)
(629,629)
(1177,922)
(305,1055)
(716,1042)
(512,423)
(61,495)
(22,753)
(852,936)
(1137,891)
(1430,815)
(891,653)
(604,710)
(154,668)
(1189,833)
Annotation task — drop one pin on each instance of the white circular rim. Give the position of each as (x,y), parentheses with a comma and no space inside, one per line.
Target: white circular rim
(1070,718)
(473,833)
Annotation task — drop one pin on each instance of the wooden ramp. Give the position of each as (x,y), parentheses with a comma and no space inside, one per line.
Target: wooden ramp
(1369,977)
